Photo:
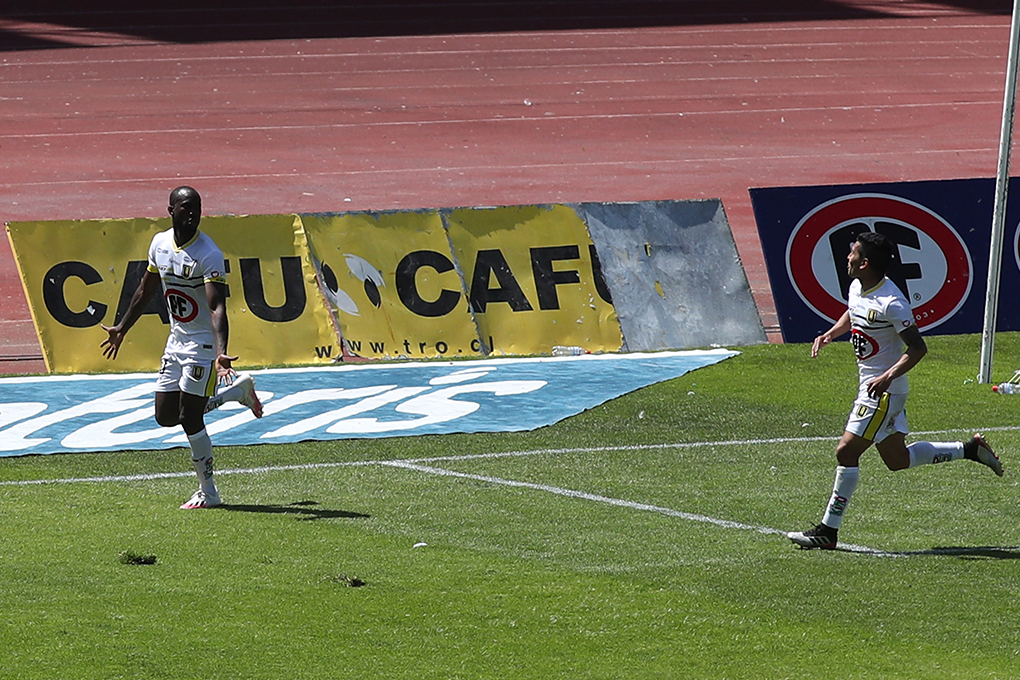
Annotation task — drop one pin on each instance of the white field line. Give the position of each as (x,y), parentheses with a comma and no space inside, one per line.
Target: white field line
(434,459)
(583,495)
(416,464)
(469,456)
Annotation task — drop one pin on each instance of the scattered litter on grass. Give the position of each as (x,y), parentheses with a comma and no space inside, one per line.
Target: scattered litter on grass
(420,545)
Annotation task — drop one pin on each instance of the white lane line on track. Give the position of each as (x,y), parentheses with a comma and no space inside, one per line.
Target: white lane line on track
(529,119)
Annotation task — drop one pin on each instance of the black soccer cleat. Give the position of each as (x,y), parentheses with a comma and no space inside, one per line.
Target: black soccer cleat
(977,449)
(821,536)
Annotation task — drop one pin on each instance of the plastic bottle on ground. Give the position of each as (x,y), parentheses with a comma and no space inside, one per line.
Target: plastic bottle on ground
(572,351)
(1006,388)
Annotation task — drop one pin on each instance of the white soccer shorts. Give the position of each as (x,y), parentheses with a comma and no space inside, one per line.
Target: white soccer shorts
(876,419)
(197,378)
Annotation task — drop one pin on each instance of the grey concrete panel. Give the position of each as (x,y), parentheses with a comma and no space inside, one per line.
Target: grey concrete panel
(674,273)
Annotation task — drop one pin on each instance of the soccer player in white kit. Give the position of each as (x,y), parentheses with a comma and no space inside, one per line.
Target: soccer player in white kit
(189,268)
(880,323)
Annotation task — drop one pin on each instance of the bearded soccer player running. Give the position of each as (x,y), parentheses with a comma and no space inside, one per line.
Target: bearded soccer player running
(880,323)
(189,267)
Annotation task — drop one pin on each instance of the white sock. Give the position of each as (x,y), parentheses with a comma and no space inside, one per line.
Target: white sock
(202,459)
(231,392)
(929,453)
(842,490)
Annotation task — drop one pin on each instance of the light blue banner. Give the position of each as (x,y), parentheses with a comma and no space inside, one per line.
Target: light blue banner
(69,414)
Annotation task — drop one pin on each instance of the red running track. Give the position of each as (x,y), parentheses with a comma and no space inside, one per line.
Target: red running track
(911,91)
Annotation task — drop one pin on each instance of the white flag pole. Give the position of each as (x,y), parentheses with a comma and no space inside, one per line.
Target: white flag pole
(999,207)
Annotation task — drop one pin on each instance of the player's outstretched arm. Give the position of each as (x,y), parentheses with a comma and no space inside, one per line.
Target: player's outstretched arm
(839,328)
(143,295)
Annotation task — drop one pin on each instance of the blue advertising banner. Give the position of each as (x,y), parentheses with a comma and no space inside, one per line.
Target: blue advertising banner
(71,414)
(942,231)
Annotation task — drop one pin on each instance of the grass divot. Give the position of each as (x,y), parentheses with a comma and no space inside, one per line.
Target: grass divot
(345,580)
(131,557)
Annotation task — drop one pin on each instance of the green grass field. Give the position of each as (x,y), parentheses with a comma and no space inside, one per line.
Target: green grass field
(636,540)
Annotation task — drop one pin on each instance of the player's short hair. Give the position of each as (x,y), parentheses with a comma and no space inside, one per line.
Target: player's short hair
(878,250)
(180,193)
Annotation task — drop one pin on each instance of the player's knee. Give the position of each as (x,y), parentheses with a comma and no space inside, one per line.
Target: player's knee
(847,456)
(167,419)
(192,422)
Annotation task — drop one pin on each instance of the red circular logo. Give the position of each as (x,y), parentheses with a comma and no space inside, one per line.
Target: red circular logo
(181,305)
(927,244)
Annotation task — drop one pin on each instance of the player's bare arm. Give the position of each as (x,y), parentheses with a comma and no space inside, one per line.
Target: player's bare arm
(217,296)
(147,289)
(839,328)
(915,350)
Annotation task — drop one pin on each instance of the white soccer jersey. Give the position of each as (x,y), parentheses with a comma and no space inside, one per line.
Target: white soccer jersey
(184,272)
(877,317)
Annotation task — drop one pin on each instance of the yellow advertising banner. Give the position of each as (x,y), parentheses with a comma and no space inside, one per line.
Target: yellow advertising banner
(277,315)
(393,285)
(534,279)
(80,274)
(410,284)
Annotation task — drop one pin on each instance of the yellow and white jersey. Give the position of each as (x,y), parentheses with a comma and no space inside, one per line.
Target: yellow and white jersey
(184,272)
(877,317)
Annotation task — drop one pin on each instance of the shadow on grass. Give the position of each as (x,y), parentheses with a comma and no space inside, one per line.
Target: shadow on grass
(967,553)
(306,510)
(974,553)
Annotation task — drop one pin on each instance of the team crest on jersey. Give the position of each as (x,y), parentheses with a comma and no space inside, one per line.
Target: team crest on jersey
(197,372)
(864,345)
(186,270)
(181,305)
(872,315)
